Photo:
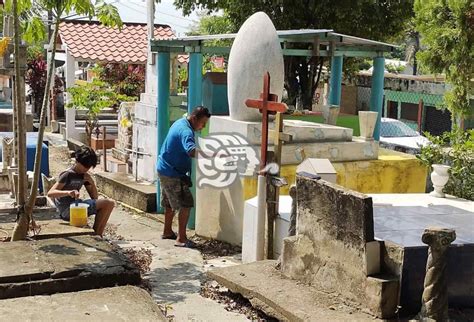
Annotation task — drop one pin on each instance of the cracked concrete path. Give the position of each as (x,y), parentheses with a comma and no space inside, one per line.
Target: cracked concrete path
(175,274)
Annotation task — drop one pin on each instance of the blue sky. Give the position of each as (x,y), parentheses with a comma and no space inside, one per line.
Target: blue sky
(166,13)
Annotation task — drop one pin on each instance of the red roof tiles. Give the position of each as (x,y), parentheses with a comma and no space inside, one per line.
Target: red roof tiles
(92,41)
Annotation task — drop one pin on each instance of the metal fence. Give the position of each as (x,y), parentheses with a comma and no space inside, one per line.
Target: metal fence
(422,112)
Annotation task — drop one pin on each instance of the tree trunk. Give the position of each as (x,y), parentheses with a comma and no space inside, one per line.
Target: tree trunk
(291,82)
(21,226)
(42,125)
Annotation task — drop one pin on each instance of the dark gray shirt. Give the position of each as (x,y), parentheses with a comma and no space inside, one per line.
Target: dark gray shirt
(72,181)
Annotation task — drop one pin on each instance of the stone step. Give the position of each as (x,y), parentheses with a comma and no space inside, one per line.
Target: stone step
(120,186)
(124,303)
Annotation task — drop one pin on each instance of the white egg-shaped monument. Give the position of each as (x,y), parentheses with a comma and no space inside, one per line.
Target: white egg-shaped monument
(255,50)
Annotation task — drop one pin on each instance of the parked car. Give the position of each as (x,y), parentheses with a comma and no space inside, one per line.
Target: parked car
(396,135)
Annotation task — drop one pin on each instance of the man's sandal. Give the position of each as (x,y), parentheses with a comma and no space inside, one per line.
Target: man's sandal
(187,244)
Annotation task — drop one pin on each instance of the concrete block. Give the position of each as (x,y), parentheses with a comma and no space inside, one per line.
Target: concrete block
(382,296)
(334,247)
(301,131)
(342,214)
(115,166)
(282,223)
(120,186)
(320,167)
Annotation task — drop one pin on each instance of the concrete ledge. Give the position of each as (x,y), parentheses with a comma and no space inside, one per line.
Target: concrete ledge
(125,303)
(283,298)
(61,265)
(51,225)
(122,187)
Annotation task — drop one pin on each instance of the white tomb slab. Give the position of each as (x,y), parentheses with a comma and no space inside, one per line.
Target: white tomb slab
(301,131)
(320,167)
(249,234)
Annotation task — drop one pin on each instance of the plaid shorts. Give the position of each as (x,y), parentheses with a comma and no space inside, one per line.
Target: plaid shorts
(175,193)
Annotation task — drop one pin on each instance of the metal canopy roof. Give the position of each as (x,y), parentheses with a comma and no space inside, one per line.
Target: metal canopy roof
(324,42)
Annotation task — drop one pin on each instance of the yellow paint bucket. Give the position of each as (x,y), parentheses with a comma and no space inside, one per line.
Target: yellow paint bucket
(78,214)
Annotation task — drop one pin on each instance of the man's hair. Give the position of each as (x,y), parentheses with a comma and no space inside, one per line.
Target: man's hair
(86,156)
(200,111)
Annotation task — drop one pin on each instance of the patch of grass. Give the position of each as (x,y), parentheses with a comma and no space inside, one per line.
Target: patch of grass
(349,121)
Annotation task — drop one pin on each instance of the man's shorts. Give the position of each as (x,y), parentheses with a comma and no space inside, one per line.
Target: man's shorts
(91,210)
(175,194)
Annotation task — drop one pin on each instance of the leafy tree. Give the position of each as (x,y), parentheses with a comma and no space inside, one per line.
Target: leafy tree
(126,79)
(377,20)
(32,29)
(447,33)
(455,149)
(36,78)
(94,97)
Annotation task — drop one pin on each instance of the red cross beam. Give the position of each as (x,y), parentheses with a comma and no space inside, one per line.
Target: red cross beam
(267,104)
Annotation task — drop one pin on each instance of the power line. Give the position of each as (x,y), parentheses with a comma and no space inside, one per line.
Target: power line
(144,13)
(162,12)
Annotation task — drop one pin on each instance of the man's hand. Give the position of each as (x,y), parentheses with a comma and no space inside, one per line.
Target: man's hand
(73,194)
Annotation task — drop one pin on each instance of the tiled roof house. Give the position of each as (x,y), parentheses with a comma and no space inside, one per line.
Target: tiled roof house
(90,41)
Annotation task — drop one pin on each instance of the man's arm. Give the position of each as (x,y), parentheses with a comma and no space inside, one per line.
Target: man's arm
(90,186)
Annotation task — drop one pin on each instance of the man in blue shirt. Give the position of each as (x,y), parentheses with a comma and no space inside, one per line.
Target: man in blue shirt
(174,170)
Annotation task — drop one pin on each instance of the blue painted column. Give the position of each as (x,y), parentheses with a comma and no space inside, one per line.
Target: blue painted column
(162,111)
(335,83)
(194,99)
(376,95)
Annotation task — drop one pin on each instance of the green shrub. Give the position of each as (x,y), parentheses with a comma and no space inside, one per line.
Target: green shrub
(456,149)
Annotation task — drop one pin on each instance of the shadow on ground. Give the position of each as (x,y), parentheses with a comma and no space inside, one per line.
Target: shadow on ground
(173,283)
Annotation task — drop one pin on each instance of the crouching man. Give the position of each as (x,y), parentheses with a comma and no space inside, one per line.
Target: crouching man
(66,190)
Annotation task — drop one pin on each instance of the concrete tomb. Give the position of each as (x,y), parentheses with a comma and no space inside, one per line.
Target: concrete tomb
(256,50)
(334,247)
(369,249)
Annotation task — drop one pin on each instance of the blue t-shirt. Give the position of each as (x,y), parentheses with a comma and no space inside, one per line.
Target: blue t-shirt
(174,159)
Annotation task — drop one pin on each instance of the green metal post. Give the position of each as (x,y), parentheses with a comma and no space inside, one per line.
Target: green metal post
(194,99)
(335,84)
(376,95)
(162,111)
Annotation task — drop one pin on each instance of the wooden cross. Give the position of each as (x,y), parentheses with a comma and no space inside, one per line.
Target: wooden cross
(267,104)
